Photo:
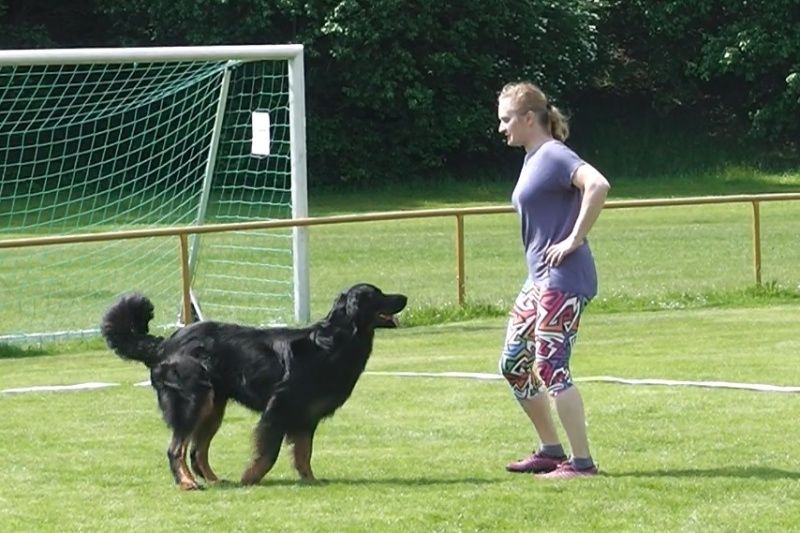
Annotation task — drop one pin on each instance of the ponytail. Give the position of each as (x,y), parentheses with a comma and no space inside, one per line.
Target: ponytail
(557,123)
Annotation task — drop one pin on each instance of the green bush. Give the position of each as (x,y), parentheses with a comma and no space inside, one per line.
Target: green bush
(398,89)
(740,61)
(415,82)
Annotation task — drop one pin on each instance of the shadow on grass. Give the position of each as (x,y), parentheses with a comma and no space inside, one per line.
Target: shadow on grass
(225,484)
(13,350)
(467,328)
(9,351)
(735,472)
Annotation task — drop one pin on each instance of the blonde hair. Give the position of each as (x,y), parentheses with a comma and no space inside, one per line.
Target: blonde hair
(525,96)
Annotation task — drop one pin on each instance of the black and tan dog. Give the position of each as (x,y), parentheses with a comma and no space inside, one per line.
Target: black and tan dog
(294,377)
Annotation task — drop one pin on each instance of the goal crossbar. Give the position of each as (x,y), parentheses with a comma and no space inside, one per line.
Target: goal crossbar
(80,56)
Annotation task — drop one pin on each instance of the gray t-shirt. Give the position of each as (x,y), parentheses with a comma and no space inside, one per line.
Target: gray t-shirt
(548,205)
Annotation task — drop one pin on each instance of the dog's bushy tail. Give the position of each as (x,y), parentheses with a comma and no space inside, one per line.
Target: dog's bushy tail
(125,328)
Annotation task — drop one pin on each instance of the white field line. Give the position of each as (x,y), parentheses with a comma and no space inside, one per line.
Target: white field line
(609,379)
(472,375)
(60,388)
(706,384)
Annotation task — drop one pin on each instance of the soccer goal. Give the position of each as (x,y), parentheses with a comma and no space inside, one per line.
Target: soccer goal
(116,139)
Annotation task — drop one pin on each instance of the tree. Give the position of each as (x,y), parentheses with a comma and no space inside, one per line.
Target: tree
(393,86)
(17,30)
(417,81)
(741,60)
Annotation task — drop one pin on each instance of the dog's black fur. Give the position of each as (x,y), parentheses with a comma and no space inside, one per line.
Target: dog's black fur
(293,376)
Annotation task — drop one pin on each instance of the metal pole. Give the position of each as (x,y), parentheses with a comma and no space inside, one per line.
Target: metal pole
(331,220)
(186,280)
(211,162)
(757,242)
(460,277)
(149,54)
(297,141)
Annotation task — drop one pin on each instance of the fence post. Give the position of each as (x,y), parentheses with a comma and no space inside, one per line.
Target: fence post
(460,282)
(186,308)
(757,241)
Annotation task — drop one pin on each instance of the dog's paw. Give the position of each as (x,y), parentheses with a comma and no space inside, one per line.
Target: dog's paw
(250,478)
(189,485)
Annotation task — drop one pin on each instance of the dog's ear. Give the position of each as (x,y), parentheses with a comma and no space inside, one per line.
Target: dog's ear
(324,338)
(352,307)
(199,348)
(338,311)
(329,336)
(360,302)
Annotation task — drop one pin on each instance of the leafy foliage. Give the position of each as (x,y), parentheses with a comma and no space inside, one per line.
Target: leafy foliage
(742,59)
(406,88)
(14,34)
(417,81)
(42,23)
(189,22)
(397,87)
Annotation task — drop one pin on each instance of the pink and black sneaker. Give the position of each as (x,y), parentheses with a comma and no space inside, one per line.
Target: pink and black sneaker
(567,470)
(536,463)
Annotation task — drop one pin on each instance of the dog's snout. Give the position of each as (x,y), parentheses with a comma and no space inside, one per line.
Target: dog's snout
(398,302)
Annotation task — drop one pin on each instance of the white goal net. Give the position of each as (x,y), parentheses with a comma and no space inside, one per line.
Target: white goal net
(117,139)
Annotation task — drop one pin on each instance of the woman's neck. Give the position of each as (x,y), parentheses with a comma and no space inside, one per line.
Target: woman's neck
(537,141)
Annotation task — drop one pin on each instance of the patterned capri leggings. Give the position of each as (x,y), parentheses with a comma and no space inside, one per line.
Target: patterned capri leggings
(541,332)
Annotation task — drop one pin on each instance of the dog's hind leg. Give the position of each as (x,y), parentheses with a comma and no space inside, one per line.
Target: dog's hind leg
(185,397)
(201,439)
(302,442)
(176,453)
(268,439)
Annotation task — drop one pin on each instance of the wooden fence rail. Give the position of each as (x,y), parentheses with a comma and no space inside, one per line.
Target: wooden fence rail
(182,232)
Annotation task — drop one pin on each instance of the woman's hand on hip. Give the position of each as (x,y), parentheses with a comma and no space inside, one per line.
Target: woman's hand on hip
(557,252)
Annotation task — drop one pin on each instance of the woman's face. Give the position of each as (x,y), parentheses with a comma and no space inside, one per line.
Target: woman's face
(517,127)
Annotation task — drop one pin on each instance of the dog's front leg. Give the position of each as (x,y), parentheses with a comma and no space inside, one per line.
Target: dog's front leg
(301,454)
(268,439)
(209,423)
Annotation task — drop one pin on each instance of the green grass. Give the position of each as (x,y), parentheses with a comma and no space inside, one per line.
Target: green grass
(677,301)
(648,259)
(496,189)
(427,454)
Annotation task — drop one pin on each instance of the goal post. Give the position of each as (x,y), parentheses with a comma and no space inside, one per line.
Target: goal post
(100,139)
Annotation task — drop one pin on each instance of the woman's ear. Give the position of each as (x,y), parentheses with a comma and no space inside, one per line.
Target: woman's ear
(531,118)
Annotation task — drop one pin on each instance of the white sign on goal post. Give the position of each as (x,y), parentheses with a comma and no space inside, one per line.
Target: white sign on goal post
(260,144)
(97,139)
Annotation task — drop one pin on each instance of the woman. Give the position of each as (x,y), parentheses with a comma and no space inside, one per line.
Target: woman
(558,197)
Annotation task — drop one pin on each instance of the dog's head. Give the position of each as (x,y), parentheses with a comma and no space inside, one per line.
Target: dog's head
(366,305)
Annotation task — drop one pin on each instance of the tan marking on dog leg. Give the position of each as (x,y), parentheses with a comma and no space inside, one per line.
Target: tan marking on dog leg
(209,423)
(188,482)
(301,455)
(177,462)
(267,442)
(256,471)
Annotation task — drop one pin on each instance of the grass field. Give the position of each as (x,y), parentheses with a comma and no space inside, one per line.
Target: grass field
(427,454)
(677,302)
(649,259)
